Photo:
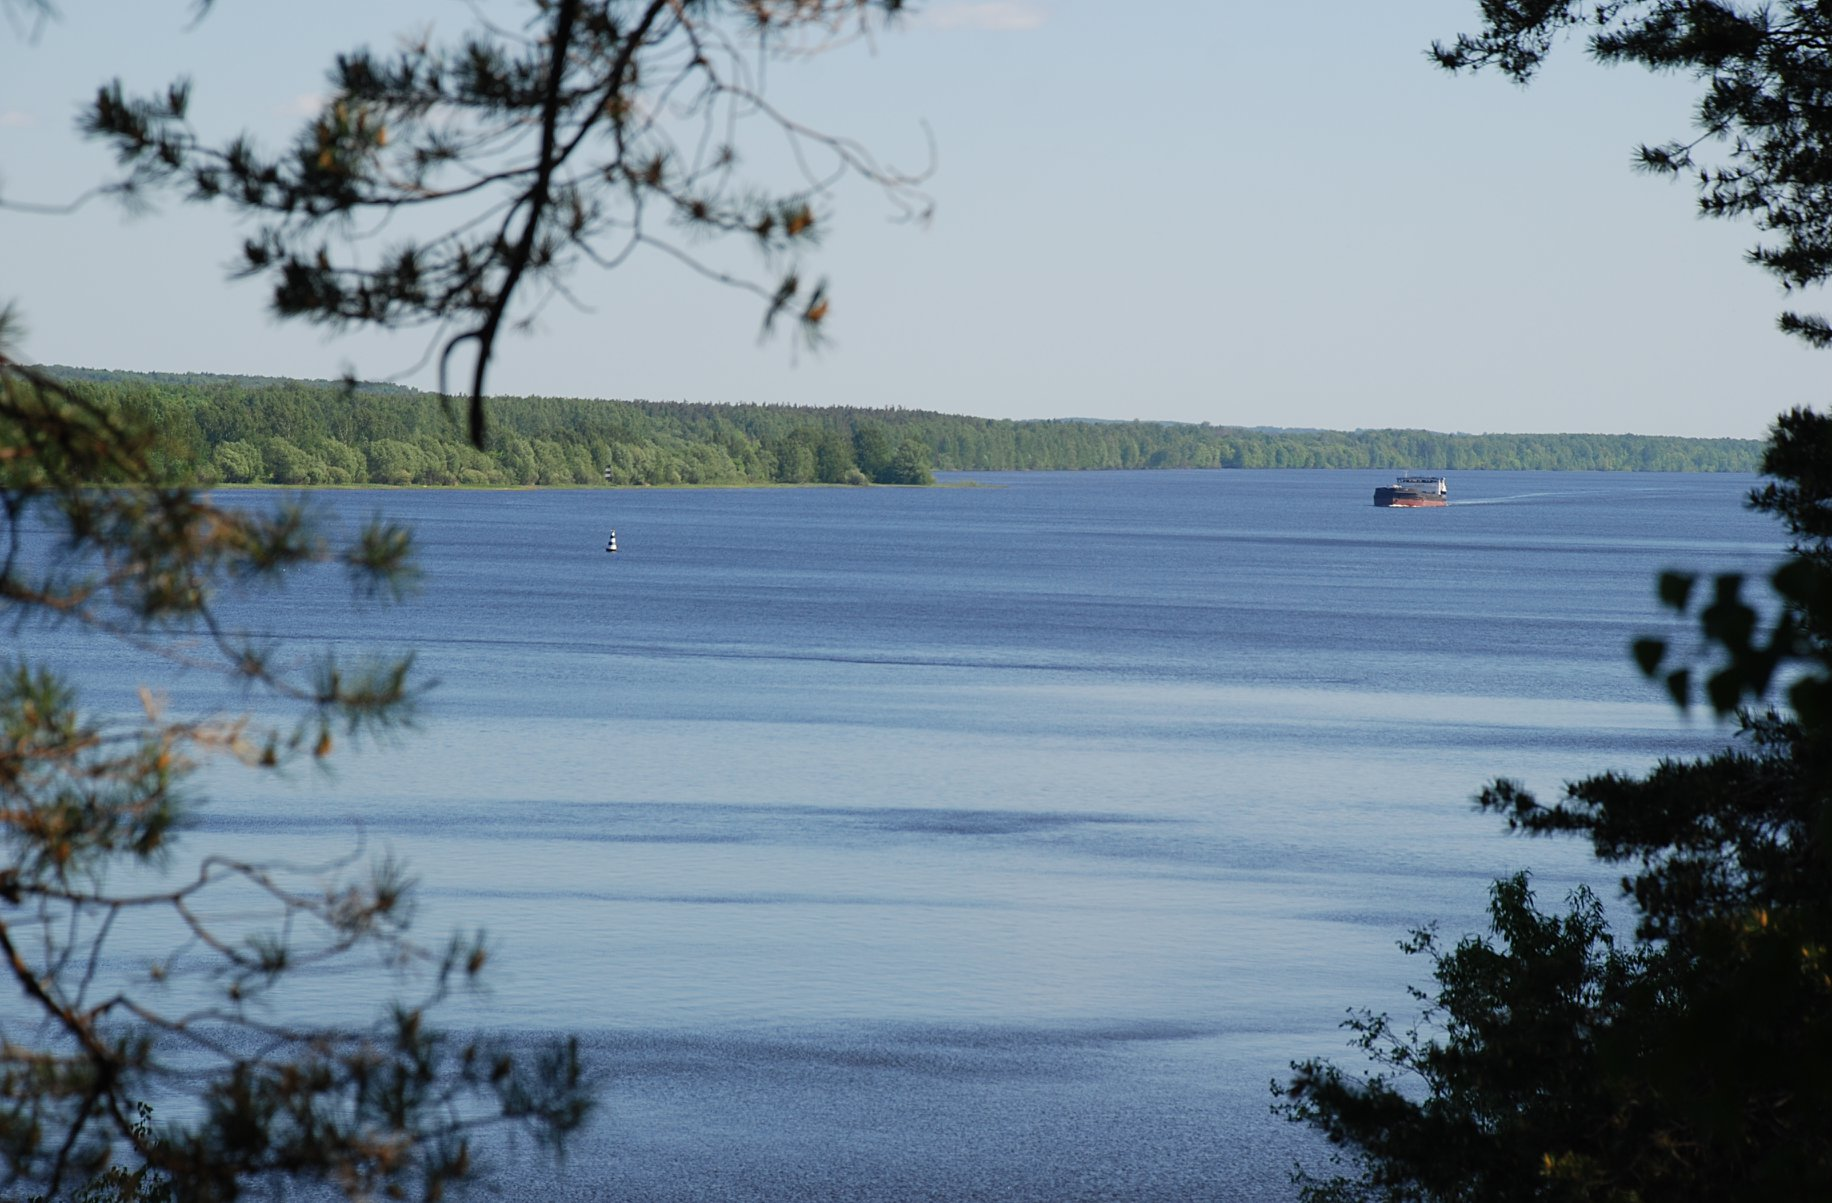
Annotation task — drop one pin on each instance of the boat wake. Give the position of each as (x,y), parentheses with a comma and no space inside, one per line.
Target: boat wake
(1516,498)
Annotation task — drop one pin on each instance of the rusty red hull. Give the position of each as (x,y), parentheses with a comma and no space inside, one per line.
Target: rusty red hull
(1409,499)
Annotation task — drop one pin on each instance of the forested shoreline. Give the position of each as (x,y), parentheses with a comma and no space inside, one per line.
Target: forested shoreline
(246,430)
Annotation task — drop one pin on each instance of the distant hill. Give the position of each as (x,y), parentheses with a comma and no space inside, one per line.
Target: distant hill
(269,430)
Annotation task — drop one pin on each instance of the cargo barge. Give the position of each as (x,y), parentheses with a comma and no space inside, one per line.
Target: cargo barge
(1413,492)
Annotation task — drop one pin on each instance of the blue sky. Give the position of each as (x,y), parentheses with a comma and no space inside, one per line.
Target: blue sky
(1225,212)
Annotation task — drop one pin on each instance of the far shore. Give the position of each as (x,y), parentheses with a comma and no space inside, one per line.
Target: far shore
(371,487)
(940,484)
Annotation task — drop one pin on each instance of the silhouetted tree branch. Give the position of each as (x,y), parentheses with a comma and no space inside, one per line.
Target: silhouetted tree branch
(539,151)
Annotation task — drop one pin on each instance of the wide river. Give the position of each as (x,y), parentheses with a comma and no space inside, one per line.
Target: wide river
(994,843)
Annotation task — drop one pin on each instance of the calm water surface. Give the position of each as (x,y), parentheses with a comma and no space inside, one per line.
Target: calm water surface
(982,843)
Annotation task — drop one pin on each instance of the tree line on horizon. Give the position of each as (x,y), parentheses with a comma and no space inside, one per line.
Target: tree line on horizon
(258,430)
(1667,1049)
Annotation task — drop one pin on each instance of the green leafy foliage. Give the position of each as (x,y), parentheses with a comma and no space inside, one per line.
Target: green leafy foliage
(1470,1113)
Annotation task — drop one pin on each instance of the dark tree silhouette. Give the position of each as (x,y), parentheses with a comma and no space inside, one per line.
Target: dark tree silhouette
(1553,1062)
(1556,1060)
(1762,149)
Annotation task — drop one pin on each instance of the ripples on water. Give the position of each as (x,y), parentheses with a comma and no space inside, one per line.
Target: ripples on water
(990,843)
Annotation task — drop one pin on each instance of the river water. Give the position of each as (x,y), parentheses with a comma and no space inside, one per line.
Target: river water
(994,842)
